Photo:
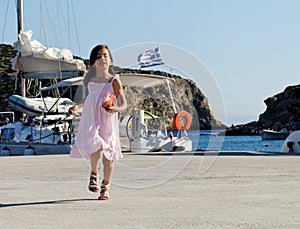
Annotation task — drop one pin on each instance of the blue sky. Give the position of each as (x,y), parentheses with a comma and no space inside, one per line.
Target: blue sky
(252,48)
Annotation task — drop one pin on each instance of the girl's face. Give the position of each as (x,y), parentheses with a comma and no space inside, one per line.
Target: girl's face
(103,60)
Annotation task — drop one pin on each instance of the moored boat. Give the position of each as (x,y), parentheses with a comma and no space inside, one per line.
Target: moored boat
(142,131)
(274,135)
(38,106)
(37,136)
(45,128)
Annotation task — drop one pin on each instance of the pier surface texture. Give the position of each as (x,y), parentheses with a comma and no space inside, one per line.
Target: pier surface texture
(157,190)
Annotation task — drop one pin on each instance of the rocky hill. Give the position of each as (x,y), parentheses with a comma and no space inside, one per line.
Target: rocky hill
(187,95)
(283,111)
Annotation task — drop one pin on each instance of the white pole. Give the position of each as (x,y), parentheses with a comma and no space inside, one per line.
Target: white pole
(20,29)
(172,98)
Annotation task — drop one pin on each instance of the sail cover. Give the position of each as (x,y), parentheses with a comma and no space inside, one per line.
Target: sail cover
(34,57)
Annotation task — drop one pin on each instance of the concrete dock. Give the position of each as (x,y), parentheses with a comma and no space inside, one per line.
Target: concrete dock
(157,190)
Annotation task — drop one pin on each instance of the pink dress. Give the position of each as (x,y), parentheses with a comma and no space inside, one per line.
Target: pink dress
(98,129)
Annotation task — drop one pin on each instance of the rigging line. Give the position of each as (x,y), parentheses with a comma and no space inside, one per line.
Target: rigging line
(68,13)
(42,31)
(52,25)
(42,27)
(56,38)
(28,86)
(7,6)
(76,30)
(60,59)
(149,20)
(60,25)
(62,15)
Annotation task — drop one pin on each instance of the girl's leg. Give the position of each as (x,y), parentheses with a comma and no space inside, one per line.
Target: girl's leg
(95,161)
(94,177)
(108,169)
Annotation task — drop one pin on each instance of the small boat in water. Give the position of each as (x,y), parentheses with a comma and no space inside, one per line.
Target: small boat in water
(274,135)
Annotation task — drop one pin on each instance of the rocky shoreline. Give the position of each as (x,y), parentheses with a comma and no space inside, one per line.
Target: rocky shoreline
(282,112)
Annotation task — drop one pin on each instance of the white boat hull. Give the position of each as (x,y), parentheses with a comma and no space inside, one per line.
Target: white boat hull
(19,149)
(293,140)
(18,139)
(142,145)
(36,106)
(273,135)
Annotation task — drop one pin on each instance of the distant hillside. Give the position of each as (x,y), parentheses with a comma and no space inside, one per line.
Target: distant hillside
(186,93)
(283,111)
(7,82)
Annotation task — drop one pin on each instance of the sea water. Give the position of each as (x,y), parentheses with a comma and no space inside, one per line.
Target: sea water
(208,140)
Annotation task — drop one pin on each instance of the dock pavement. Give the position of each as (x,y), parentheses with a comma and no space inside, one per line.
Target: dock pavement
(154,190)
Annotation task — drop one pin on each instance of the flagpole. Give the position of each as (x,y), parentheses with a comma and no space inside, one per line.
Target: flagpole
(171,94)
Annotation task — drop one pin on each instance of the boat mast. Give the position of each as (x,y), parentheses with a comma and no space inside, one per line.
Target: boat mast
(20,29)
(20,16)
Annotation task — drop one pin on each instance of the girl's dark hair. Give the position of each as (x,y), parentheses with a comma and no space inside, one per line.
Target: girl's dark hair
(93,58)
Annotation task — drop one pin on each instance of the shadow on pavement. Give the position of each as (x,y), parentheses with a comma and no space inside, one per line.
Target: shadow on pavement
(43,202)
(215,153)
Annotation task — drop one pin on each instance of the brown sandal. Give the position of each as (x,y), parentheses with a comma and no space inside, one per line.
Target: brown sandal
(104,193)
(93,185)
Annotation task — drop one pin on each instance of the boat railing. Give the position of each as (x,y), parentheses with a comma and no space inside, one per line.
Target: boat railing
(9,113)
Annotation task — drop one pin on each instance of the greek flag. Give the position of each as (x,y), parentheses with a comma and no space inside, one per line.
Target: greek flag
(150,58)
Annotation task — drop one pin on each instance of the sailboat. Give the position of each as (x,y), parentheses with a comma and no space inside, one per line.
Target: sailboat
(51,131)
(45,128)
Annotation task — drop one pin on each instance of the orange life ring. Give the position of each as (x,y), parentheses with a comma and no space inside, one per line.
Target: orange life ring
(182,120)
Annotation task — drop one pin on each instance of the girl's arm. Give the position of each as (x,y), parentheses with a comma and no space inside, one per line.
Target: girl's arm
(75,107)
(118,88)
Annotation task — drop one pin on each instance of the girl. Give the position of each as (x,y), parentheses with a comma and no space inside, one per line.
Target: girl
(98,135)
